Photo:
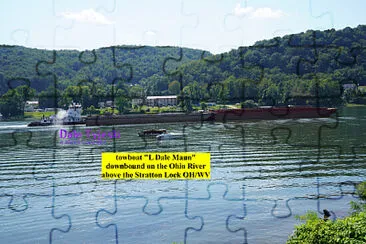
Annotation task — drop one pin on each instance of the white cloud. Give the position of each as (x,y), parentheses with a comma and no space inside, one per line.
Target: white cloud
(150,33)
(258,12)
(87,16)
(239,11)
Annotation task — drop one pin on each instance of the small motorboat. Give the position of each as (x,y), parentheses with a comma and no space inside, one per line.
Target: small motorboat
(152,132)
(43,122)
(170,136)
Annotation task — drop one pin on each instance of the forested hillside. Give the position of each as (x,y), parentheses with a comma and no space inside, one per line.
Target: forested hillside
(315,68)
(131,63)
(293,69)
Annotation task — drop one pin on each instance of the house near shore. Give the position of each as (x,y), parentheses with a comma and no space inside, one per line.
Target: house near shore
(106,104)
(30,106)
(161,101)
(137,102)
(350,86)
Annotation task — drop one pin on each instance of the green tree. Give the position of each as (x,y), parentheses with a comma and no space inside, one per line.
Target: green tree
(92,110)
(248,104)
(12,103)
(185,100)
(174,88)
(203,106)
(122,101)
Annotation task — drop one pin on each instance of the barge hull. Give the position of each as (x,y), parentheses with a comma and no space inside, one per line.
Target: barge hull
(145,119)
(221,116)
(273,113)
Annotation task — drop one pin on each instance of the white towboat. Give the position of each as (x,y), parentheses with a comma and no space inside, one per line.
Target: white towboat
(72,117)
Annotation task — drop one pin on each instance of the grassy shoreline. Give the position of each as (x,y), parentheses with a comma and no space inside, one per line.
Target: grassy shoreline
(30,116)
(351,105)
(37,115)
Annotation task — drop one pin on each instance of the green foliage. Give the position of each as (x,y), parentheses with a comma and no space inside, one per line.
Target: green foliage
(185,101)
(309,216)
(12,103)
(271,76)
(359,206)
(106,111)
(17,61)
(361,191)
(38,115)
(204,106)
(174,88)
(91,110)
(167,109)
(248,104)
(351,229)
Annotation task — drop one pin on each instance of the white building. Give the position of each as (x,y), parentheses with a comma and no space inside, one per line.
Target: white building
(137,101)
(105,104)
(30,106)
(161,101)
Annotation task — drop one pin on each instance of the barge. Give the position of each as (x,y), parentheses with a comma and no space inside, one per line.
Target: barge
(146,118)
(271,113)
(222,115)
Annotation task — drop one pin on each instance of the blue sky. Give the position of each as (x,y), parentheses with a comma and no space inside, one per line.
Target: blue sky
(213,25)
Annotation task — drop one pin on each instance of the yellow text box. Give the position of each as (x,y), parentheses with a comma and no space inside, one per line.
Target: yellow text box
(156,166)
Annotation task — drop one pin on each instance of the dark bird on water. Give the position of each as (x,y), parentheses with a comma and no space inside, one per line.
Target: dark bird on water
(326,214)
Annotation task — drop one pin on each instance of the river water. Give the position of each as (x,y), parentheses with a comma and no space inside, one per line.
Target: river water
(263,173)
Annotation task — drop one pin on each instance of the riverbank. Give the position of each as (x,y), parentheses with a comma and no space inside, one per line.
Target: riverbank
(351,105)
(37,115)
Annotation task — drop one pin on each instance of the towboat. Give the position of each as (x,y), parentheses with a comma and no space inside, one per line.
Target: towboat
(72,117)
(152,132)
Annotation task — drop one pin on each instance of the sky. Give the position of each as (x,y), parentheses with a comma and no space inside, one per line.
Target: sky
(214,25)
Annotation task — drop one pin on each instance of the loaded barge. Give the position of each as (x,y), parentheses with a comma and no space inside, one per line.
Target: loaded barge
(223,115)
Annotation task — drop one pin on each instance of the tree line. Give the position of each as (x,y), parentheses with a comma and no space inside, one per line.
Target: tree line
(311,68)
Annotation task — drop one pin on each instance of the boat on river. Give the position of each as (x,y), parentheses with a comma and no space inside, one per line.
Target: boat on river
(169,136)
(72,117)
(152,132)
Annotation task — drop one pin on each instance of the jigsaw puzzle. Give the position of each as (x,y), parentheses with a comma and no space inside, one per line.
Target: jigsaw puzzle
(264,170)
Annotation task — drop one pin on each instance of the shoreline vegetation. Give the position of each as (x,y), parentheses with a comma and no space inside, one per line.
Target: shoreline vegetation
(30,116)
(271,72)
(351,229)
(352,105)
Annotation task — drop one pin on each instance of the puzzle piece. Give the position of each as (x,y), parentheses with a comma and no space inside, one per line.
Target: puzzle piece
(77,183)
(359,154)
(28,184)
(127,211)
(335,196)
(44,70)
(20,37)
(218,216)
(81,209)
(334,157)
(240,17)
(34,217)
(328,15)
(73,22)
